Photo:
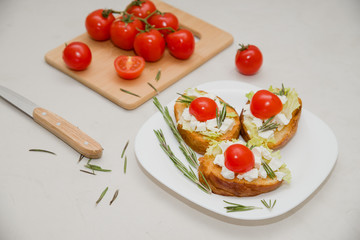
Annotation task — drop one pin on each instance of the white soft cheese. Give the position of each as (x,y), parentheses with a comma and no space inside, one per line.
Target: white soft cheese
(249,175)
(275,164)
(266,134)
(226,173)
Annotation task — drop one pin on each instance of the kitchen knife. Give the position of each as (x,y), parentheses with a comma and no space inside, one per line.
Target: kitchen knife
(61,128)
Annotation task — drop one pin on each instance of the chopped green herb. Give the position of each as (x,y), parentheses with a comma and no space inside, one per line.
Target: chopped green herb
(41,150)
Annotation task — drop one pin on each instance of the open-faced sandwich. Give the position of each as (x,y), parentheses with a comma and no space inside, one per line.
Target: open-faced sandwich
(271,116)
(233,169)
(204,117)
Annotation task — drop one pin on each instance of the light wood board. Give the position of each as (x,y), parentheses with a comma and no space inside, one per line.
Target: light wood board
(102,77)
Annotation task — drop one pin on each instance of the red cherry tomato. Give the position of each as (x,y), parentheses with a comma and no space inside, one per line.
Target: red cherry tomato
(203,108)
(129,67)
(77,56)
(124,30)
(239,158)
(98,26)
(248,59)
(265,104)
(164,20)
(141,8)
(150,45)
(181,44)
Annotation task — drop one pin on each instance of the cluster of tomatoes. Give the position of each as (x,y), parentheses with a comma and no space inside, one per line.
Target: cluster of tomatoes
(143,28)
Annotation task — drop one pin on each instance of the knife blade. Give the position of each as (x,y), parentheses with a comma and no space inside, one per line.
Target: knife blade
(55,124)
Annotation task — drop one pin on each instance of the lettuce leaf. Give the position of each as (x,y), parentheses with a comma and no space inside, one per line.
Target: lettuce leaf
(291,104)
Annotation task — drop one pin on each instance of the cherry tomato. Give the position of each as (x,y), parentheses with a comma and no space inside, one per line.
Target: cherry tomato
(141,8)
(181,44)
(164,20)
(248,59)
(124,30)
(239,158)
(150,45)
(129,67)
(77,56)
(98,26)
(203,108)
(265,104)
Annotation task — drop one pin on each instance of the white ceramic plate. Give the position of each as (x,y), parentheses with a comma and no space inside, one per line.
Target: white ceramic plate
(310,156)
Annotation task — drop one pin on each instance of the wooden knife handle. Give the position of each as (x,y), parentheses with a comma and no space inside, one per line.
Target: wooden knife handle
(67,132)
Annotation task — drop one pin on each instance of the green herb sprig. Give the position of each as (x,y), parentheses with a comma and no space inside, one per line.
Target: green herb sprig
(268,125)
(185,99)
(268,170)
(96,168)
(282,92)
(114,197)
(102,195)
(235,207)
(188,152)
(220,117)
(128,92)
(268,205)
(188,172)
(41,150)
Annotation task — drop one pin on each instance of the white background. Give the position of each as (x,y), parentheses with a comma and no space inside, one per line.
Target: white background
(313,46)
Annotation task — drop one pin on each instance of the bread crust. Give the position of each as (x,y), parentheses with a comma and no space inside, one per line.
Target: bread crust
(198,142)
(283,136)
(232,187)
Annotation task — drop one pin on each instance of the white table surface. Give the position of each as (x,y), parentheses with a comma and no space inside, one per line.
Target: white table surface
(313,46)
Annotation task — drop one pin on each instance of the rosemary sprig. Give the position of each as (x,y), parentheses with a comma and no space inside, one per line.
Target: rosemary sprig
(81,158)
(268,205)
(188,172)
(41,150)
(123,151)
(188,152)
(92,173)
(102,195)
(268,170)
(153,87)
(268,125)
(185,99)
(125,164)
(282,91)
(158,75)
(220,117)
(235,207)
(128,92)
(114,197)
(96,168)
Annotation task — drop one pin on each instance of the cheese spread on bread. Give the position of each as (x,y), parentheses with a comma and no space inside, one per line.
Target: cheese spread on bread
(261,154)
(208,128)
(290,103)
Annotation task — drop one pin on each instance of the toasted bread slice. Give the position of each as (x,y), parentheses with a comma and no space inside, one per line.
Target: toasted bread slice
(232,187)
(195,140)
(283,136)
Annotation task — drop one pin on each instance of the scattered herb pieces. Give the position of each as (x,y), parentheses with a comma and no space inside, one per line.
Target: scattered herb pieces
(152,86)
(188,152)
(81,158)
(268,205)
(125,164)
(115,196)
(128,92)
(220,117)
(268,125)
(238,207)
(188,172)
(185,99)
(282,91)
(102,195)
(268,170)
(96,168)
(158,75)
(41,150)
(92,173)
(123,151)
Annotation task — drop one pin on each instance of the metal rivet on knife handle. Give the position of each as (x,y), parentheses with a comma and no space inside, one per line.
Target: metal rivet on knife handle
(67,132)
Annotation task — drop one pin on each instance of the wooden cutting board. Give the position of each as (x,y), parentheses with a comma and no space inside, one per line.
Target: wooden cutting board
(102,77)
